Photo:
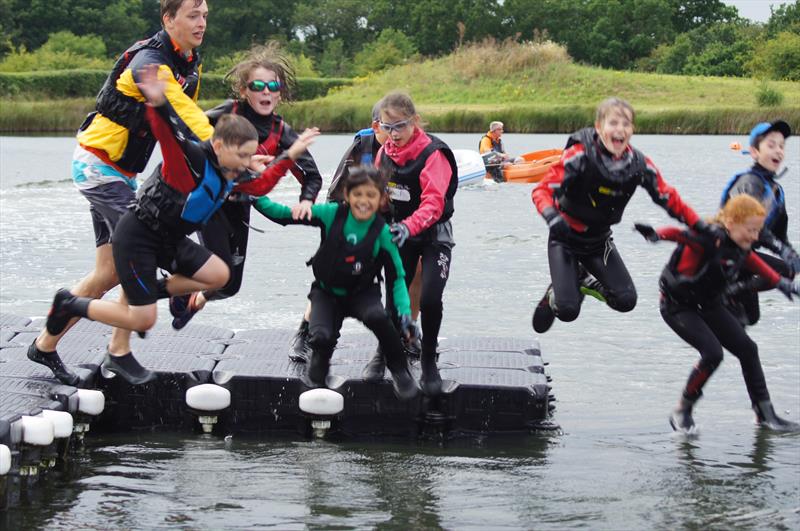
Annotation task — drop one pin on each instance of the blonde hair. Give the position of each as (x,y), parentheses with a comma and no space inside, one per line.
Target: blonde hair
(610,104)
(269,56)
(739,208)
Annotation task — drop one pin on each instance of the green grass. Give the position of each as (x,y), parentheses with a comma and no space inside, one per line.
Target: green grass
(533,88)
(556,98)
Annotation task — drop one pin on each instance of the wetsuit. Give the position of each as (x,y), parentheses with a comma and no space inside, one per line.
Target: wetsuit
(363,150)
(692,288)
(422,184)
(345,268)
(181,195)
(590,188)
(115,142)
(760,183)
(227,232)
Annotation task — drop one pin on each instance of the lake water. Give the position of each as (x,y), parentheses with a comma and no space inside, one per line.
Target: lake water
(616,464)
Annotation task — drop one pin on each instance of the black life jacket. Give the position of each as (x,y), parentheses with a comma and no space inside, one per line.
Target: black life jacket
(772,197)
(168,211)
(341,264)
(405,191)
(129,112)
(722,261)
(597,197)
(497,145)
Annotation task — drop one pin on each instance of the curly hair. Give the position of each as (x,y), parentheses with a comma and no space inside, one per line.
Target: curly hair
(269,56)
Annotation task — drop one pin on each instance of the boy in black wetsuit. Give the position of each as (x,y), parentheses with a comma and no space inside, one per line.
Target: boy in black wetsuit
(182,194)
(767,144)
(583,195)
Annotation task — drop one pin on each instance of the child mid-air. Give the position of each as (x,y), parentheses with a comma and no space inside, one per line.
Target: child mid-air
(356,244)
(693,285)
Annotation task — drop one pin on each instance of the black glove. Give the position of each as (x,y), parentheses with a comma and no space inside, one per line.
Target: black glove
(399,233)
(712,230)
(788,287)
(647,231)
(558,226)
(791,258)
(407,327)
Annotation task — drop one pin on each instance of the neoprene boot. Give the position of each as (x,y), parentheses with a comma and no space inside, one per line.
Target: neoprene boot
(65,307)
(128,368)
(543,315)
(429,381)
(301,351)
(681,418)
(766,417)
(592,287)
(317,370)
(52,361)
(375,369)
(405,387)
(413,345)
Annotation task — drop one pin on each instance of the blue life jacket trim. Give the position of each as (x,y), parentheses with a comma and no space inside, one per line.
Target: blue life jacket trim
(775,204)
(207,197)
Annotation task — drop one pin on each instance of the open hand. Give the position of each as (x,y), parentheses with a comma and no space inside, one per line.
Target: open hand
(149,84)
(302,143)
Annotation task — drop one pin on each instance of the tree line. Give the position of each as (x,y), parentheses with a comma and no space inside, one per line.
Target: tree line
(352,37)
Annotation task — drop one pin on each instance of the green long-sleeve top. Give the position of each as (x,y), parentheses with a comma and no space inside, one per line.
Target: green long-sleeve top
(354,231)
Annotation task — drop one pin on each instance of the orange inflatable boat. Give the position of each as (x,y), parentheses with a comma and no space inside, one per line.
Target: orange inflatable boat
(536,165)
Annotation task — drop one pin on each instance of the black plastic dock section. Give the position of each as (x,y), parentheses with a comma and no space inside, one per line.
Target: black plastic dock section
(490,384)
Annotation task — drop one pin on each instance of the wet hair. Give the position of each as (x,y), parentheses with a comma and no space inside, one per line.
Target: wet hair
(269,56)
(610,104)
(170,7)
(739,208)
(399,102)
(234,130)
(364,175)
(495,125)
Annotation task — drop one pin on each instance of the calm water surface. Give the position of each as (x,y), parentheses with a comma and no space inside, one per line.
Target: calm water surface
(615,466)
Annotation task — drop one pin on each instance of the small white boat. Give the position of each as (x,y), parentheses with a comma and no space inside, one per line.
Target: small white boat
(470,167)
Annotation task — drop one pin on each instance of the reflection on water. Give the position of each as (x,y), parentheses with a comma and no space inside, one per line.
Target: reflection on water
(616,466)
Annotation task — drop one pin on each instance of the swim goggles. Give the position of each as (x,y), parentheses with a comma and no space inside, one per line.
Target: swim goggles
(397,126)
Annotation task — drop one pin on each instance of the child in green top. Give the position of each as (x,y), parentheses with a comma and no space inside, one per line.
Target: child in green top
(356,244)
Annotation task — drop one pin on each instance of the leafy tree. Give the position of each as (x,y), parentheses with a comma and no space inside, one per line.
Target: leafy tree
(234,26)
(62,51)
(323,21)
(391,48)
(333,62)
(778,58)
(691,14)
(785,18)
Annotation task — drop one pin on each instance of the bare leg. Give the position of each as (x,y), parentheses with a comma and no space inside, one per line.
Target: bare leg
(415,291)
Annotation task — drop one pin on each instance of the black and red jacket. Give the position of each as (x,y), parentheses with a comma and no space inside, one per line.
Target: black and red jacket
(703,266)
(591,196)
(274,137)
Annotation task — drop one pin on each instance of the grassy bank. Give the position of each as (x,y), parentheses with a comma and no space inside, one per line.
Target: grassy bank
(533,88)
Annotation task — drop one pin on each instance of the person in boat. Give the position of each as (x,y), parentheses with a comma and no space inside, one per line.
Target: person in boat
(422,178)
(581,197)
(115,144)
(356,243)
(495,156)
(261,82)
(693,285)
(767,145)
(184,192)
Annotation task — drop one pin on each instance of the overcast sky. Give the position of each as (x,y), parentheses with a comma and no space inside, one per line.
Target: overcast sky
(757,10)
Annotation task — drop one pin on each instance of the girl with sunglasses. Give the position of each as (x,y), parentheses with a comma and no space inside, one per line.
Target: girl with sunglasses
(261,81)
(422,175)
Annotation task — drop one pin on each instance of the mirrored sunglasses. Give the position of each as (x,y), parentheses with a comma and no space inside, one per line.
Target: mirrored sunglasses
(258,85)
